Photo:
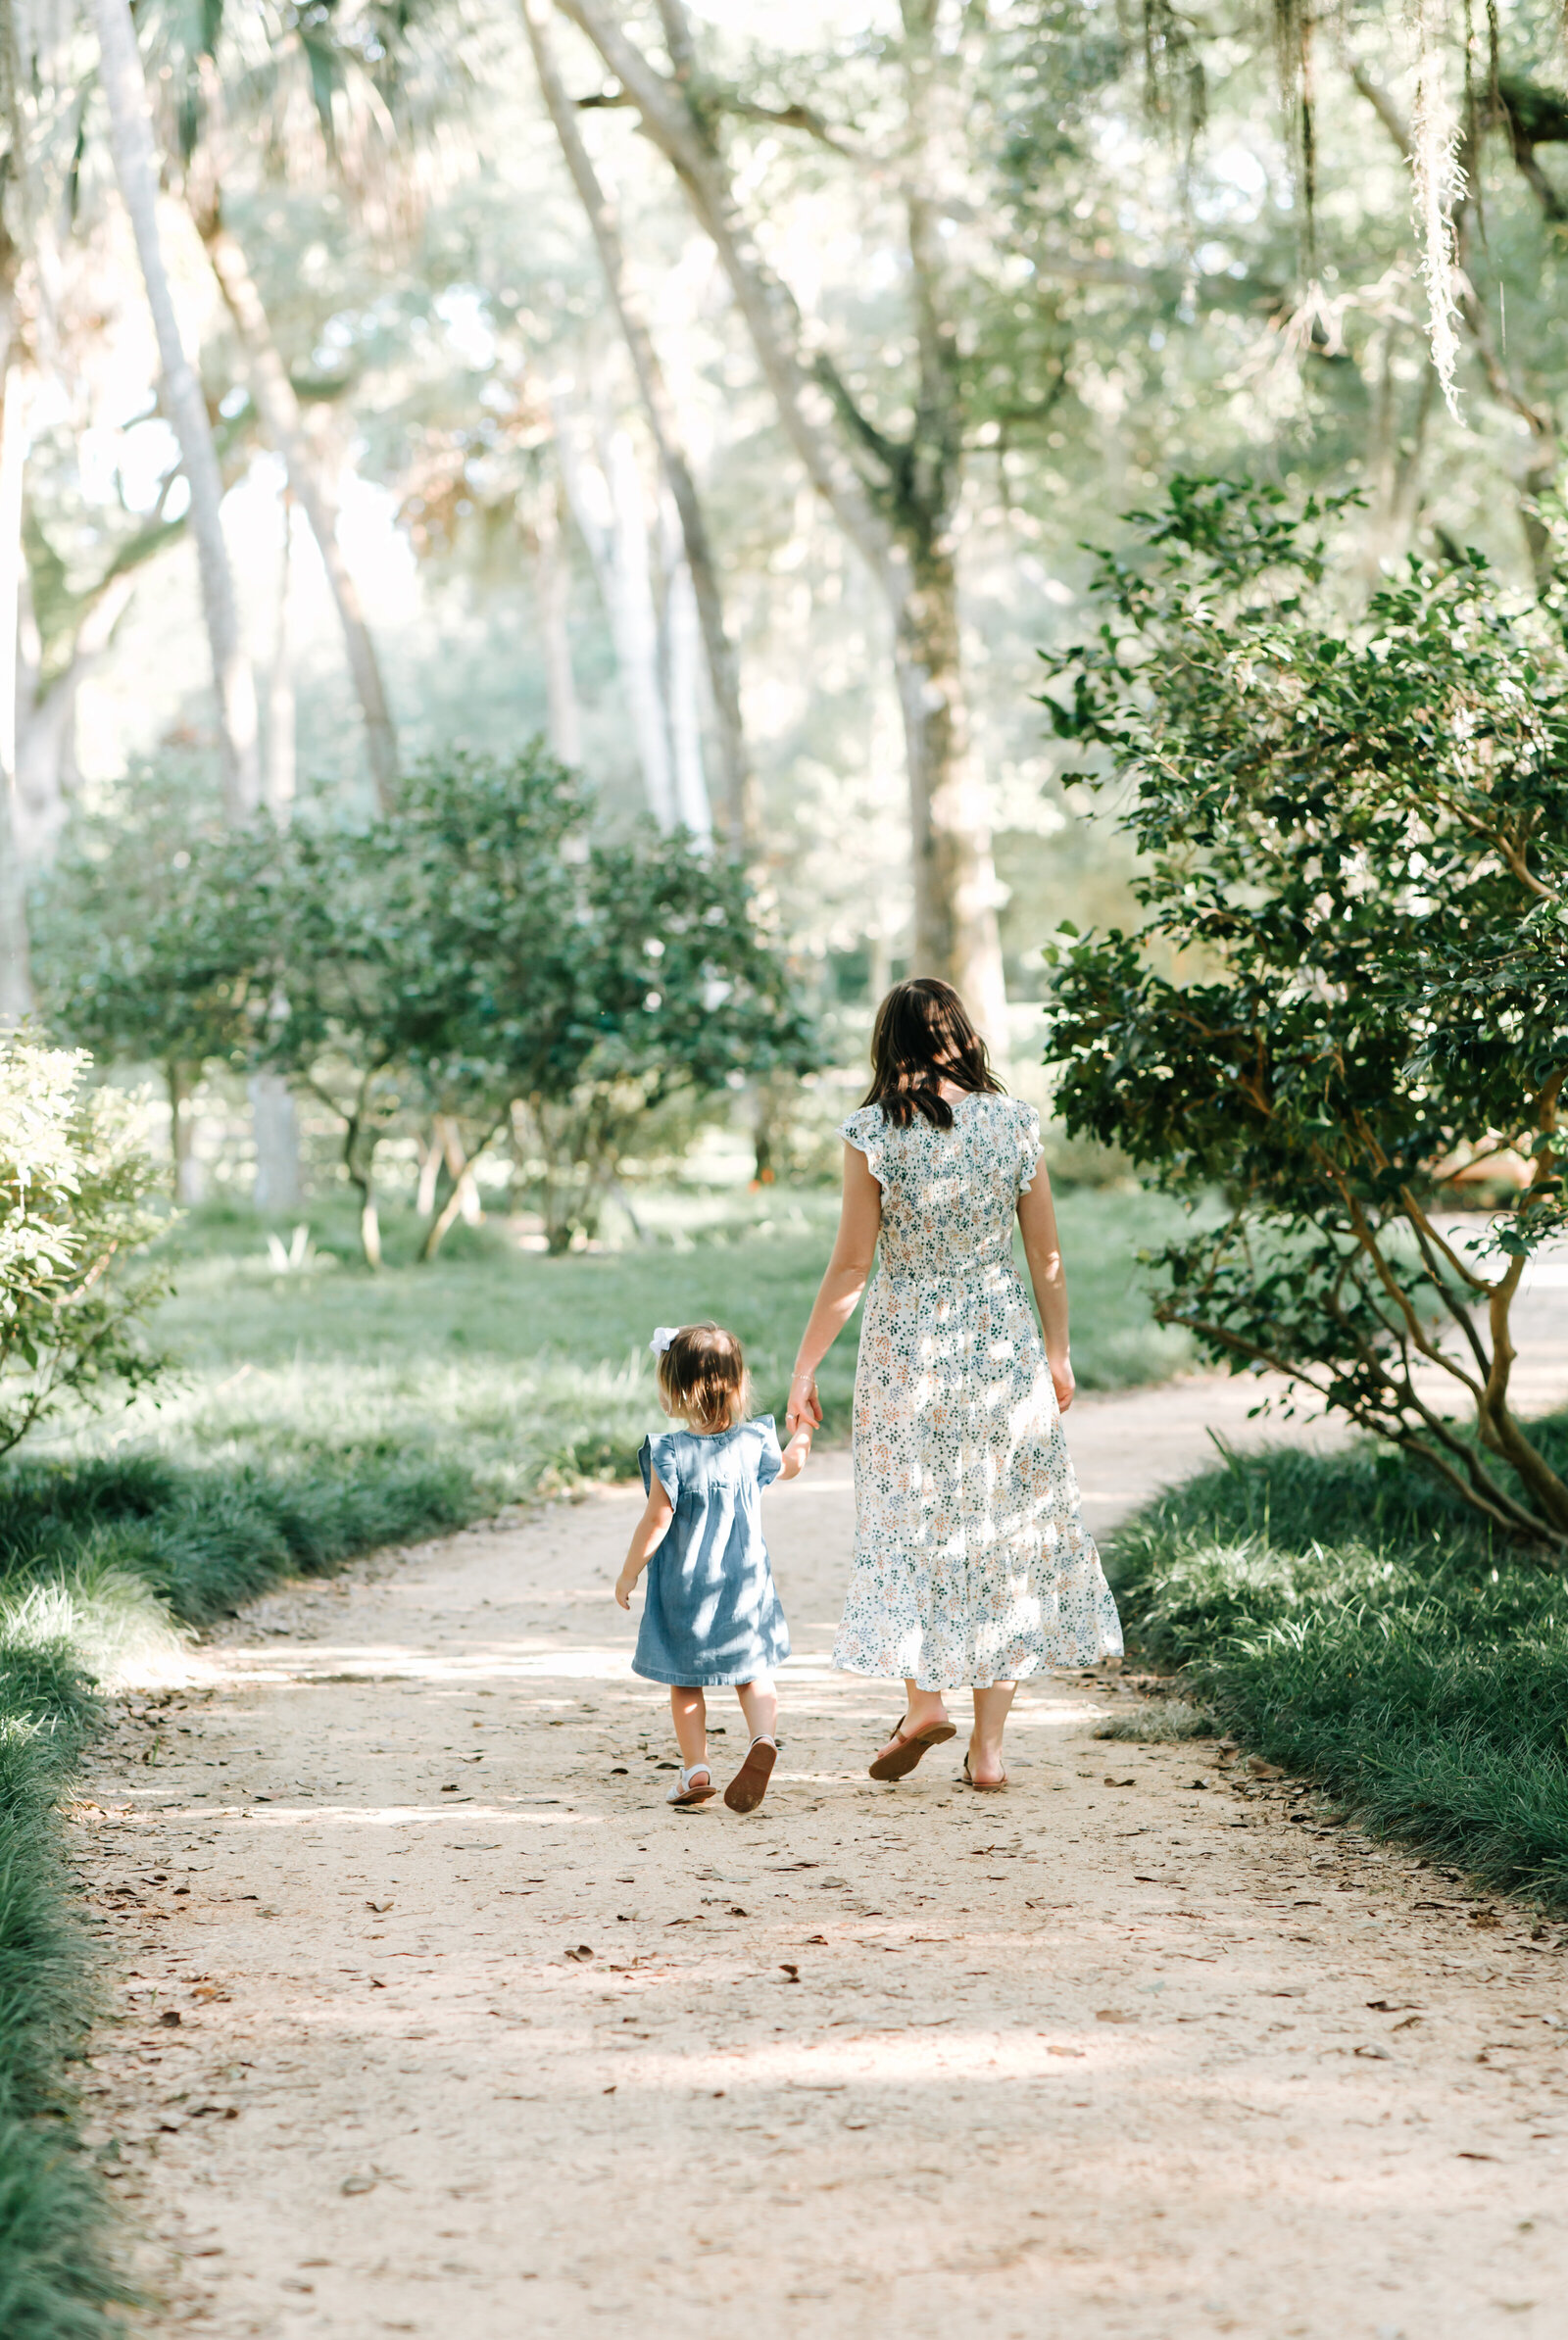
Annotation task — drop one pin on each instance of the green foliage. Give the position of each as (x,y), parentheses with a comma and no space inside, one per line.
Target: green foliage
(1348,1616)
(74,1188)
(479,950)
(56,2280)
(1355,844)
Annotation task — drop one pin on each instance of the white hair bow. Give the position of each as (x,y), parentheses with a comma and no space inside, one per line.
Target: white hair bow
(663,1335)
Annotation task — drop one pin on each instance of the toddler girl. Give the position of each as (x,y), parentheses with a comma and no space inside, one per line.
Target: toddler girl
(711,1617)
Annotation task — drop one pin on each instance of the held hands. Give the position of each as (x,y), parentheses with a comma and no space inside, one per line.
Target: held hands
(1061,1381)
(803,1410)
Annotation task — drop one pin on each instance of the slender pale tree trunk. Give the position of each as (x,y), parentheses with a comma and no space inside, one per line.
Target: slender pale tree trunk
(135,154)
(284,426)
(724,671)
(552,587)
(606,502)
(189,1182)
(897,502)
(274,1116)
(16,958)
(682,672)
(46,715)
(279,773)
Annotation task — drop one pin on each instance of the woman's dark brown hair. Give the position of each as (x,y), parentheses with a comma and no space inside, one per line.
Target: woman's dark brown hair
(923,1036)
(703,1376)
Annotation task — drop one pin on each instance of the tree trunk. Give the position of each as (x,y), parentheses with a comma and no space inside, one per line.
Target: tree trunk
(896,501)
(279,769)
(275,1125)
(15,958)
(723,672)
(552,587)
(190,1184)
(136,169)
(607,503)
(284,426)
(682,664)
(46,716)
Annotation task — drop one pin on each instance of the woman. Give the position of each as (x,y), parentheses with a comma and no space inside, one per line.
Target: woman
(972,1566)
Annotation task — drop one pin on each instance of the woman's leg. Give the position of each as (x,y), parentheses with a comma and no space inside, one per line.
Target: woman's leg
(760,1705)
(986,1766)
(689,1711)
(921,1708)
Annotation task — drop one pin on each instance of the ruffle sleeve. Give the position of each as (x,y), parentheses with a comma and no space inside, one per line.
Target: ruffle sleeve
(770,1461)
(1029,1147)
(866,1131)
(658,1460)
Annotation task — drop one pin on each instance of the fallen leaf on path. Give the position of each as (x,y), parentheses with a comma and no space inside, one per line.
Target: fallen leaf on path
(380,1907)
(1265,1770)
(1111,1783)
(791,1974)
(581,1953)
(358,2186)
(1377,2053)
(1109,2015)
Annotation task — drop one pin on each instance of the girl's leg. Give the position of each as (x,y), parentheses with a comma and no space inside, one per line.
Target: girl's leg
(921,1708)
(991,1706)
(689,1712)
(760,1705)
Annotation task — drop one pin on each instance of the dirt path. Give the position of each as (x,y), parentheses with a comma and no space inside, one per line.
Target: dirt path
(436,2020)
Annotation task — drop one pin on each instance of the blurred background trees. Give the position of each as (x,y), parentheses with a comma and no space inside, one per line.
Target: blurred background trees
(724,402)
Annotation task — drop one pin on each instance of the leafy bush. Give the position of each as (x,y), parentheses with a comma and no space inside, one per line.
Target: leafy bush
(1353,971)
(74,1188)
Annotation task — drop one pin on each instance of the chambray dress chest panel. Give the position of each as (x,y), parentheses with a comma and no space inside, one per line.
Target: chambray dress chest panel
(711,1612)
(972,1564)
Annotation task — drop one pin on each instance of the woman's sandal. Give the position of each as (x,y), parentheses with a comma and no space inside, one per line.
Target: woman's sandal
(749,1784)
(908,1748)
(981,1786)
(692,1786)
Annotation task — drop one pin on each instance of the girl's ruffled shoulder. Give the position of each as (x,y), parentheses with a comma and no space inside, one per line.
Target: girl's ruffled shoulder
(660,1457)
(866,1129)
(769,1459)
(1027,1124)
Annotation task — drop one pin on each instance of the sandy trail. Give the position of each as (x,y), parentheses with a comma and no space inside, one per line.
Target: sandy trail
(436,2020)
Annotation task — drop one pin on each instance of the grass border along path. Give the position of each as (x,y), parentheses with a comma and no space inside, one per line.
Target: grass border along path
(89,1548)
(1344,1618)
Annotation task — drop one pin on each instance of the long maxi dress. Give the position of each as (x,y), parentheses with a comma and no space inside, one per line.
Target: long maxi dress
(972,1564)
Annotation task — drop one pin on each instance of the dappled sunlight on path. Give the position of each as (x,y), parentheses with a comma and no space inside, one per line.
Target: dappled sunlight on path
(476,2038)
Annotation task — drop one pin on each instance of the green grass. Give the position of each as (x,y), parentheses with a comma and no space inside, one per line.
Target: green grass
(1345,1617)
(57,2280)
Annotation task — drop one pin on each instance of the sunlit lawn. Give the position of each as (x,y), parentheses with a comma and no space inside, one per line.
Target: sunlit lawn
(527,1369)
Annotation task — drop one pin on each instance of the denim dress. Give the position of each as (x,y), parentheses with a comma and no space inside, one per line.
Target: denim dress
(711,1615)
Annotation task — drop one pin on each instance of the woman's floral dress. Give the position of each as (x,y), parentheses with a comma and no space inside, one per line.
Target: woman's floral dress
(972,1564)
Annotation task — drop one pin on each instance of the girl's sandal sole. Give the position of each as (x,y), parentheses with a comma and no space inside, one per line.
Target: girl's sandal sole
(692,1798)
(905,1757)
(749,1784)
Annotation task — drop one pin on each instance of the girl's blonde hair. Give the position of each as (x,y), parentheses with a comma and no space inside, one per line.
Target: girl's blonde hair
(703,1376)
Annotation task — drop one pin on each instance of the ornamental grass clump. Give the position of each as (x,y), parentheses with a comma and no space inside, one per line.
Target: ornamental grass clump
(1352,973)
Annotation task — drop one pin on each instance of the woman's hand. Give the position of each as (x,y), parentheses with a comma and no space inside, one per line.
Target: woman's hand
(804,1406)
(1061,1381)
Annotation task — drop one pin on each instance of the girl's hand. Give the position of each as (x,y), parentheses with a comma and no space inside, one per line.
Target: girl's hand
(624,1585)
(1062,1382)
(804,1408)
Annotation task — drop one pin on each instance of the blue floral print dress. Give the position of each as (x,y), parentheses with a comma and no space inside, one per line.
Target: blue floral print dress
(972,1564)
(710,1614)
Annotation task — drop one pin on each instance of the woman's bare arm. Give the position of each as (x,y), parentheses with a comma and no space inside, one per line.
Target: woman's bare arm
(848,1273)
(1042,1246)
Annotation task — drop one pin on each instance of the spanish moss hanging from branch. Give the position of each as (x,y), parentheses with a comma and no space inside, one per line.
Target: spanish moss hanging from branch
(1439,186)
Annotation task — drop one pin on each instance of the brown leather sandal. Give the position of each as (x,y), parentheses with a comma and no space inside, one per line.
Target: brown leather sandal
(749,1784)
(982,1786)
(908,1746)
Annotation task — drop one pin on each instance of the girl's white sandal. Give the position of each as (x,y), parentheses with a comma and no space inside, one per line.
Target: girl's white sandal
(692,1786)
